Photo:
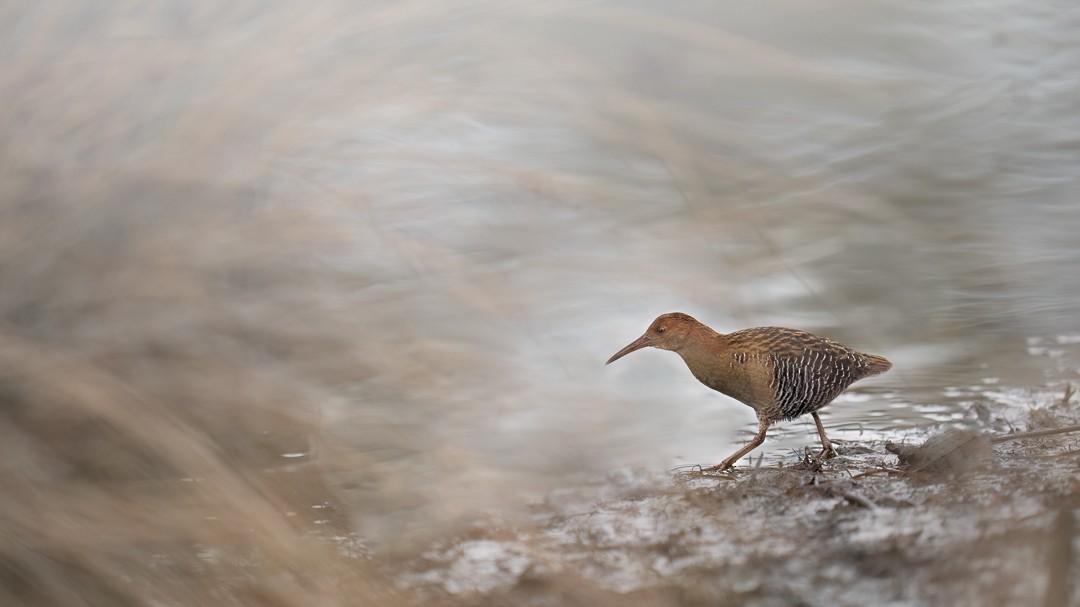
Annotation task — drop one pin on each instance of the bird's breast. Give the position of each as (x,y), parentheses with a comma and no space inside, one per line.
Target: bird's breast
(737,374)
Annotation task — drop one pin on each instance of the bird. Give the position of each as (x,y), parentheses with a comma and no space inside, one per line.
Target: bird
(781,373)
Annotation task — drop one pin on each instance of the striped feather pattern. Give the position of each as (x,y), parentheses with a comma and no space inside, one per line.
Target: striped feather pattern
(805,372)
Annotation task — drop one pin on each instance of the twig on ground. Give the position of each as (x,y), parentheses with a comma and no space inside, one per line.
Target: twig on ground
(1065,398)
(858,500)
(1034,434)
(1060,560)
(881,470)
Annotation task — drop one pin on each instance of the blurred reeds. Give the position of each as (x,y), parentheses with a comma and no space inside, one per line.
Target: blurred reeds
(168,331)
(163,347)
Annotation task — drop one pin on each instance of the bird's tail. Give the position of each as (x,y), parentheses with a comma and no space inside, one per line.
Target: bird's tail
(875,365)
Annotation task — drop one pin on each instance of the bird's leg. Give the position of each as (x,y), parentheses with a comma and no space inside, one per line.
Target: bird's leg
(763,425)
(827,450)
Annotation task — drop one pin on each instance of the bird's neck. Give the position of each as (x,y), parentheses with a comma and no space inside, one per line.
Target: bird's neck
(708,355)
(700,352)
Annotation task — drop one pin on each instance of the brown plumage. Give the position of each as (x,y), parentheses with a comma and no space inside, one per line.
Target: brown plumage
(781,373)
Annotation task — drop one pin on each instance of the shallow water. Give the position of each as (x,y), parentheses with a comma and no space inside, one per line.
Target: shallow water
(901,178)
(522,187)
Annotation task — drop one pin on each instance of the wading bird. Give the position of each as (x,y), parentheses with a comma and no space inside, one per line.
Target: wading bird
(781,373)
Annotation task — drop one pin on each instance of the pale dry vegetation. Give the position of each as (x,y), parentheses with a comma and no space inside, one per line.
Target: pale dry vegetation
(168,330)
(163,345)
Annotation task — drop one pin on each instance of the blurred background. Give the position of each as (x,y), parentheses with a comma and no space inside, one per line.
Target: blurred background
(352,269)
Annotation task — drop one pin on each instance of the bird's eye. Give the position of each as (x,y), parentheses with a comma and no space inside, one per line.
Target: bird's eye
(659,329)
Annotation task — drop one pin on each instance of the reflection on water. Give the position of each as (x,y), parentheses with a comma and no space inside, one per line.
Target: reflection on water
(517,190)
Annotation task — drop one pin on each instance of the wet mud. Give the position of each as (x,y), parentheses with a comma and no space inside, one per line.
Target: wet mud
(959,518)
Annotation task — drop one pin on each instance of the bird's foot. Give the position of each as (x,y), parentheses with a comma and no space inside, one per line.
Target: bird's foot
(721,467)
(827,452)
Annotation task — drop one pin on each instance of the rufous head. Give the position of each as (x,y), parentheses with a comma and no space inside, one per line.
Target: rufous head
(668,332)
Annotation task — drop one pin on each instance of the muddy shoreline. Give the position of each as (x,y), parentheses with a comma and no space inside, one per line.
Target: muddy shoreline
(854,530)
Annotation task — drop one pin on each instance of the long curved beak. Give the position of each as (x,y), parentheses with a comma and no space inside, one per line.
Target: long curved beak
(637,344)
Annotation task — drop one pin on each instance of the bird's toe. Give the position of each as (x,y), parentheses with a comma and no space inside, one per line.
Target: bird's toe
(718,467)
(828,452)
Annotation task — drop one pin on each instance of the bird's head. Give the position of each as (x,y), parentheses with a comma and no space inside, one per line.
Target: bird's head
(668,332)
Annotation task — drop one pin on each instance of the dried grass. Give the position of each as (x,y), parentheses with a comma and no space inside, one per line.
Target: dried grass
(166,330)
(162,345)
